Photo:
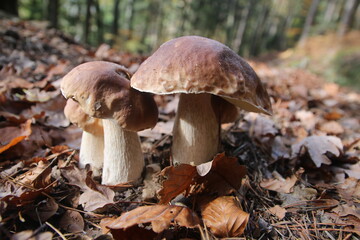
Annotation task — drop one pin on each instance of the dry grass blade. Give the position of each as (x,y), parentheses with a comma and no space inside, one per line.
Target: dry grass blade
(160,216)
(224,217)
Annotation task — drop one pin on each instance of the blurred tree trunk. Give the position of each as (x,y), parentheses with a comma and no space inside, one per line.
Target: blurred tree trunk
(259,31)
(184,18)
(308,21)
(53,13)
(241,28)
(348,16)
(87,21)
(131,9)
(330,11)
(115,23)
(99,23)
(230,21)
(9,6)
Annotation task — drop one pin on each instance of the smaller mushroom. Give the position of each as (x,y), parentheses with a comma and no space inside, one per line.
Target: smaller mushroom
(102,89)
(92,140)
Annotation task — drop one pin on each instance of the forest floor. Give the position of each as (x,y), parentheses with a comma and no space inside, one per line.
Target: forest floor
(292,175)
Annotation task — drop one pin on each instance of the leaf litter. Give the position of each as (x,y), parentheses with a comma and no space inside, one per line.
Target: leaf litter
(292,175)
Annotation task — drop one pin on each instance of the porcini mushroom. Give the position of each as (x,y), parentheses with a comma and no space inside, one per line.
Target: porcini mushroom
(92,140)
(205,73)
(102,89)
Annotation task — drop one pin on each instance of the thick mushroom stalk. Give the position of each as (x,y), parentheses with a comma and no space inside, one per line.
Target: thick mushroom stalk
(103,90)
(197,133)
(92,140)
(123,159)
(197,66)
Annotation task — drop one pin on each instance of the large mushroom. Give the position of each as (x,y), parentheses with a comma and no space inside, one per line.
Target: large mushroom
(102,89)
(211,80)
(92,140)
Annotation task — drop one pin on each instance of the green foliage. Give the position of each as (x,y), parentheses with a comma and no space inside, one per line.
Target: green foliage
(347,67)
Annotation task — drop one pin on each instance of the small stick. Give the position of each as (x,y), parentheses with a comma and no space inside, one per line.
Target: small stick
(56,230)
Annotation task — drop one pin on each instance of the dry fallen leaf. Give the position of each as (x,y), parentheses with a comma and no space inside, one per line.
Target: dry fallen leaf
(278,211)
(160,216)
(94,196)
(332,127)
(317,147)
(179,179)
(282,185)
(224,217)
(11,136)
(219,176)
(37,177)
(131,233)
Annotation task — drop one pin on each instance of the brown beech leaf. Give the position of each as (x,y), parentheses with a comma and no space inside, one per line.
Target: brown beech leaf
(11,136)
(282,185)
(37,177)
(178,180)
(160,216)
(345,210)
(219,176)
(94,196)
(224,176)
(224,217)
(131,233)
(317,147)
(278,211)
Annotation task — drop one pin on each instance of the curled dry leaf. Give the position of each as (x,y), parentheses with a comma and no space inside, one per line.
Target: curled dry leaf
(11,136)
(179,179)
(219,176)
(317,147)
(37,177)
(282,185)
(224,217)
(130,233)
(160,217)
(94,196)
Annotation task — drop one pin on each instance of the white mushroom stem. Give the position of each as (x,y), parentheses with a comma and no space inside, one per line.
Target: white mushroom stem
(123,158)
(196,130)
(92,151)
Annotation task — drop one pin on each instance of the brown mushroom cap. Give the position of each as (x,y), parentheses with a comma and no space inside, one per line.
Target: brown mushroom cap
(193,64)
(103,90)
(76,115)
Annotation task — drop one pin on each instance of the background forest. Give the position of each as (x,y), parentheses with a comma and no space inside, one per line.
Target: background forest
(251,28)
(248,27)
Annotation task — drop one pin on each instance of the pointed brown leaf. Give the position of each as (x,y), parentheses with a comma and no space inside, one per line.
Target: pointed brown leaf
(224,217)
(13,135)
(224,176)
(160,216)
(178,180)
(282,185)
(94,196)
